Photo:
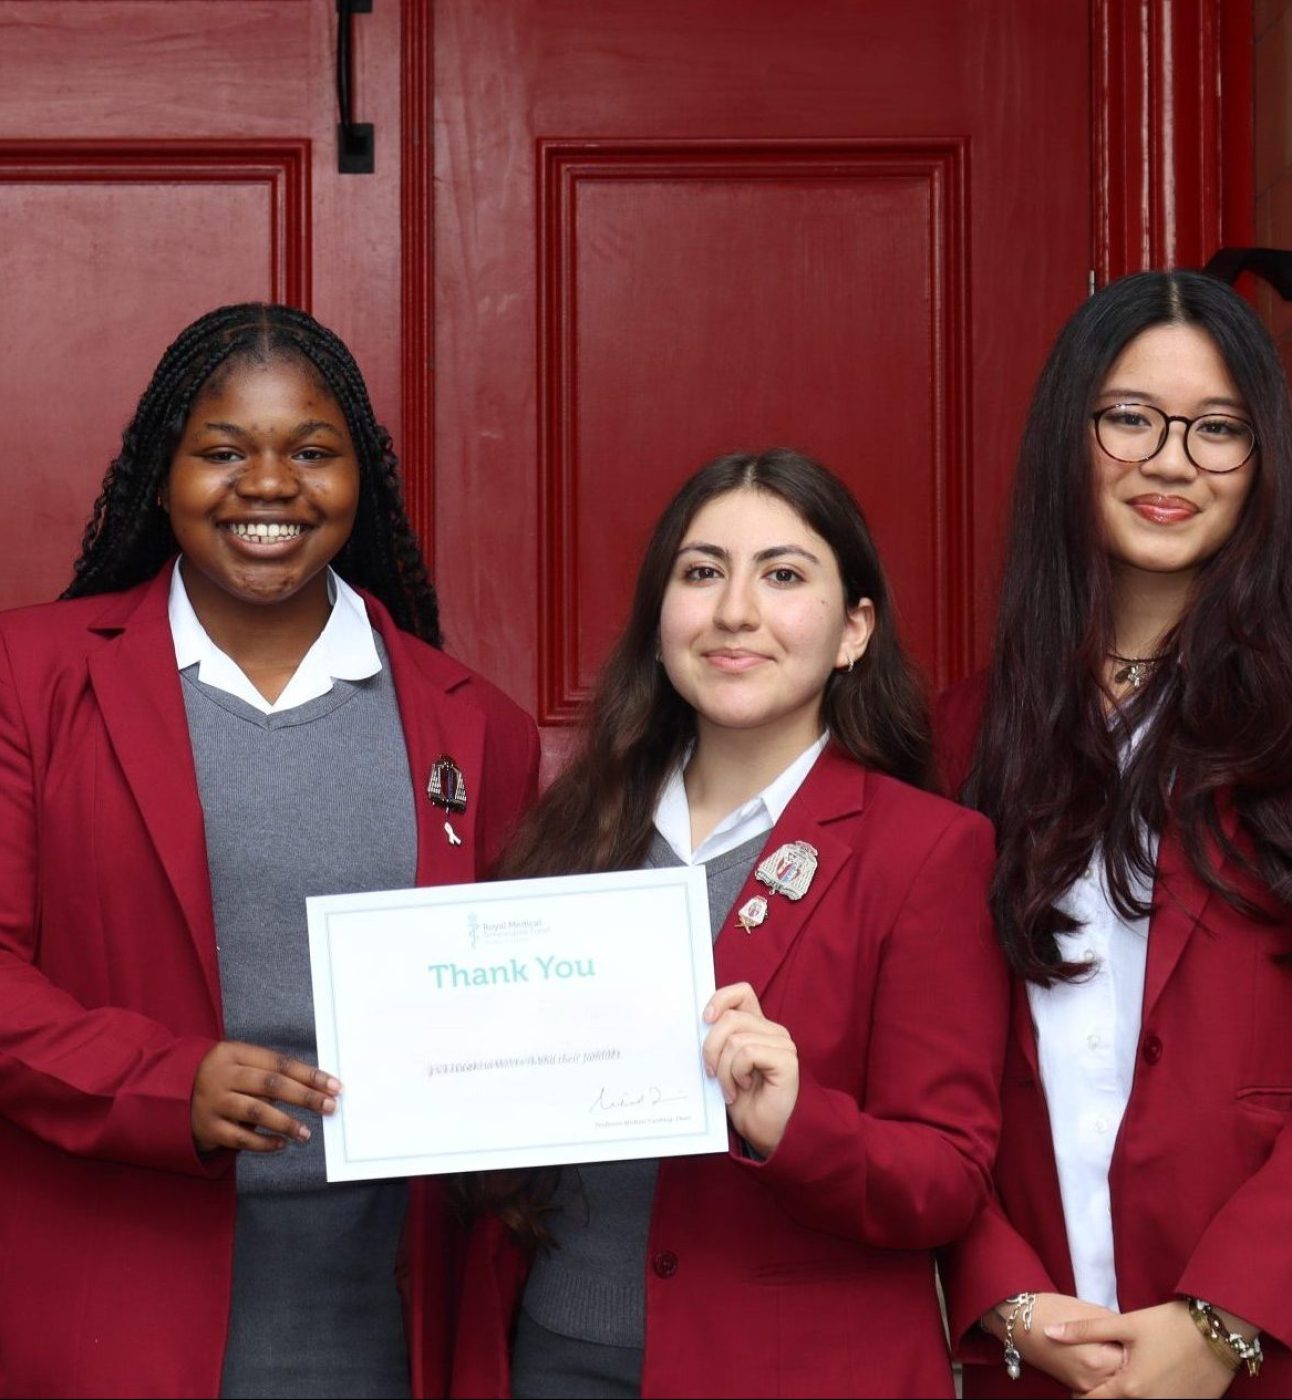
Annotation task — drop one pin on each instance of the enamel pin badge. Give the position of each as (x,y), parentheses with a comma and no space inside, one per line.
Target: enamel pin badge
(751,913)
(789,869)
(447,788)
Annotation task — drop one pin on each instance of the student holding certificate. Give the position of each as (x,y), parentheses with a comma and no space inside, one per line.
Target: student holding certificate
(1132,742)
(187,750)
(759,718)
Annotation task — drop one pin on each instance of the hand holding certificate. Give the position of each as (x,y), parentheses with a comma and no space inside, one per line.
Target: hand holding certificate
(516,1024)
(756,1063)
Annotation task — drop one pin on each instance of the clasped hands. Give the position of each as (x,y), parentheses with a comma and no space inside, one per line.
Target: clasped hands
(235,1092)
(1097,1353)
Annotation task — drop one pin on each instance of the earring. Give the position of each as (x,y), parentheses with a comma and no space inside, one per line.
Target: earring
(852,661)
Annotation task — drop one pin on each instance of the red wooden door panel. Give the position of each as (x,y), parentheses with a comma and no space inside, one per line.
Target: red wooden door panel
(167,157)
(658,229)
(726,292)
(668,230)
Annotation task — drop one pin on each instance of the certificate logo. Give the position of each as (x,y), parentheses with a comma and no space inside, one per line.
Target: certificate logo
(503,933)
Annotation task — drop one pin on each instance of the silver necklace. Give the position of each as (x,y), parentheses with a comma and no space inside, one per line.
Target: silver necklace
(1134,670)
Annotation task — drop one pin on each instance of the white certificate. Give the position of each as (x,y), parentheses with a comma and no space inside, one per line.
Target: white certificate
(522,1023)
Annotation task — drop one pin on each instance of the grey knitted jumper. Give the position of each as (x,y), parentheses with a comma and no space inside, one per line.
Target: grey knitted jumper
(583,1316)
(312,800)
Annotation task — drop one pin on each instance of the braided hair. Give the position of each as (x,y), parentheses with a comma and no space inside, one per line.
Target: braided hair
(129,538)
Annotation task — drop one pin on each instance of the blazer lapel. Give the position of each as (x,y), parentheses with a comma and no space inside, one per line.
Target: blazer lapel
(436,725)
(138,691)
(1024,1027)
(1180,901)
(833,789)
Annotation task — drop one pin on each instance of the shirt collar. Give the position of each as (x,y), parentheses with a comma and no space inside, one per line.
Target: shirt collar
(752,818)
(343,650)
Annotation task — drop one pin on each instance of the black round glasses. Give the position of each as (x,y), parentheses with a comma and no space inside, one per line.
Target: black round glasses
(1136,432)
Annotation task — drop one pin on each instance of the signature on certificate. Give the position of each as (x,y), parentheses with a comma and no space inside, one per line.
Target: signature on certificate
(608,1100)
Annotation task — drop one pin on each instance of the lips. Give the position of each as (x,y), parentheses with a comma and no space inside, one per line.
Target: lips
(1163,510)
(733,660)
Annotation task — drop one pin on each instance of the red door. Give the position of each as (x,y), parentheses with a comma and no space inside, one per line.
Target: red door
(668,230)
(171,157)
(604,240)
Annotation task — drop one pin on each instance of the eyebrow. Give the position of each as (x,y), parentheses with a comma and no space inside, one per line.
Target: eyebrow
(716,551)
(1141,396)
(310,425)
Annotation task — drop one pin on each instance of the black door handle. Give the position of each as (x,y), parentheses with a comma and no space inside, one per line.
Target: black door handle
(356,153)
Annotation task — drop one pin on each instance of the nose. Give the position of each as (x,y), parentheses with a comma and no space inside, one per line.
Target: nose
(268,476)
(736,608)
(1172,462)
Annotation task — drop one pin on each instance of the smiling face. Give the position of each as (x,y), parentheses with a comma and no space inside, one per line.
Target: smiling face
(1165,516)
(263,488)
(754,619)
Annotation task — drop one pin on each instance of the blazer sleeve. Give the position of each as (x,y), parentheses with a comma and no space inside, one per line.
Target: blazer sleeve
(103,1082)
(989,1263)
(912,1168)
(1243,1261)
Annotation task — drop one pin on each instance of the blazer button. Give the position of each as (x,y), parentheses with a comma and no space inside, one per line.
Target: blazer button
(665,1263)
(1152,1049)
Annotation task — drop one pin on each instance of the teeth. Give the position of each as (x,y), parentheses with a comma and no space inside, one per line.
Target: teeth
(263,531)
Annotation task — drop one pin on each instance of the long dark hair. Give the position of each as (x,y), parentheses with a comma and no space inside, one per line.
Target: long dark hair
(1216,714)
(599,814)
(129,538)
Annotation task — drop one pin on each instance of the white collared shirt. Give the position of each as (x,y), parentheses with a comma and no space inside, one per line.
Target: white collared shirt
(753,818)
(1087,1036)
(343,650)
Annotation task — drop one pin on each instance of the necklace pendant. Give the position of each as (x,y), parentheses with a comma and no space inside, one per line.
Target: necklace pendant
(1134,674)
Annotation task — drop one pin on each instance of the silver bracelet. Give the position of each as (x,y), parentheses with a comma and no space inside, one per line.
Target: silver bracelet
(1020,1303)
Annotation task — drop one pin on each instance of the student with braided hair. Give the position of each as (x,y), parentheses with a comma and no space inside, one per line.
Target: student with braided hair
(237,704)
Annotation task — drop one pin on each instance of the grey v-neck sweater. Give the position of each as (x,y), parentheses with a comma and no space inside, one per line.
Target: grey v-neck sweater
(313,800)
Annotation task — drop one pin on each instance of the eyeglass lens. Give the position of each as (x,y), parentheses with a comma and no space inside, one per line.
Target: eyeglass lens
(1136,432)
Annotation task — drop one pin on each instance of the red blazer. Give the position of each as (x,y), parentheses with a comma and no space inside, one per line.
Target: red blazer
(1201,1175)
(116,1241)
(812,1273)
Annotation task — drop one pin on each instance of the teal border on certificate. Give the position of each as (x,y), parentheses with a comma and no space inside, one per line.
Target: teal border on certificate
(483,894)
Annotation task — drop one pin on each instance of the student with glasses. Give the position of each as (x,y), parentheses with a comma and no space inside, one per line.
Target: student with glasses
(1132,742)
